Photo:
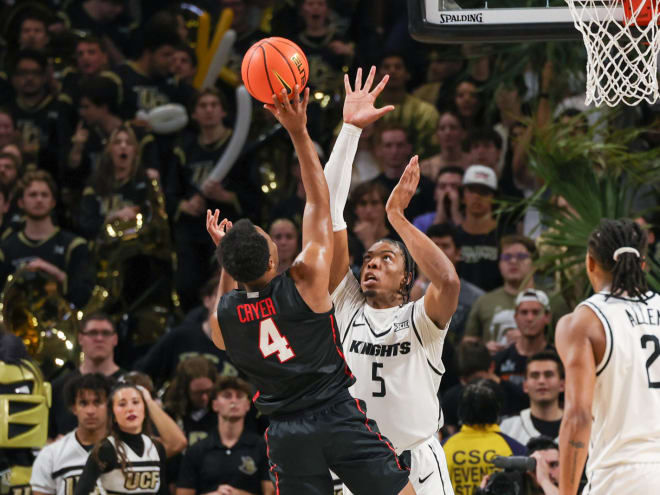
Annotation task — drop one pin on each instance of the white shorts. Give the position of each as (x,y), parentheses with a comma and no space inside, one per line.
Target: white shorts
(428,469)
(640,479)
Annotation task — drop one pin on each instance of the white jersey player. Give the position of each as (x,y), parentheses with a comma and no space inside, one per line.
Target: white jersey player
(609,346)
(393,346)
(58,466)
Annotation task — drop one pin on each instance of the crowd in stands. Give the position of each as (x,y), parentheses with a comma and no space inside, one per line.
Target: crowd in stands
(79,168)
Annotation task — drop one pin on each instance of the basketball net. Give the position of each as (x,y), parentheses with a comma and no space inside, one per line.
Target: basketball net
(622,40)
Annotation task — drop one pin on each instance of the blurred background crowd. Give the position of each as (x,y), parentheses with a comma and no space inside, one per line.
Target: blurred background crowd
(105,262)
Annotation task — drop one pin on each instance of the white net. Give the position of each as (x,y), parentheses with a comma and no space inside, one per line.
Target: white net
(622,40)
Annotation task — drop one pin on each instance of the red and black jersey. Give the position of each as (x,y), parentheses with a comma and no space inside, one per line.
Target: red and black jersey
(289,352)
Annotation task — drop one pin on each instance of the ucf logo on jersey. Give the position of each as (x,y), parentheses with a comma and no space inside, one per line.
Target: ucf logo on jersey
(144,480)
(248,466)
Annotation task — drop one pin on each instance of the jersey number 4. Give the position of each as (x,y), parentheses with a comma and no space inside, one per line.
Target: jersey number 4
(271,341)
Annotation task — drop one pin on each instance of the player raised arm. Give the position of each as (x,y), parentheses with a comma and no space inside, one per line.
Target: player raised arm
(359,112)
(311,269)
(574,344)
(442,294)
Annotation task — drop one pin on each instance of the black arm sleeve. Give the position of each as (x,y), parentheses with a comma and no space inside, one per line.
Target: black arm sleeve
(90,220)
(92,470)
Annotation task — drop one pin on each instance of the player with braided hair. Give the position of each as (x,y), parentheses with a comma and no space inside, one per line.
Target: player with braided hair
(393,345)
(609,346)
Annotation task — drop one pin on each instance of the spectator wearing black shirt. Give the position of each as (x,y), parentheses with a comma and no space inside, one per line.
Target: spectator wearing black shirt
(191,338)
(532,316)
(118,188)
(35,110)
(44,248)
(479,234)
(394,149)
(9,173)
(544,382)
(232,460)
(97,339)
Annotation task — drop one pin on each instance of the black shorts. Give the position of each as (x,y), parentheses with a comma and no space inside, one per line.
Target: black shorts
(339,436)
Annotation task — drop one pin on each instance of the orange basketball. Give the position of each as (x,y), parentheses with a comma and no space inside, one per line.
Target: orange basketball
(272,64)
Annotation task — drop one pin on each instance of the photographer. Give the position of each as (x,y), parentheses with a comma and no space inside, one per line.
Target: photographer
(546,452)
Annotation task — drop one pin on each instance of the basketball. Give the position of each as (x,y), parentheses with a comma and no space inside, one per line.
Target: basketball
(272,64)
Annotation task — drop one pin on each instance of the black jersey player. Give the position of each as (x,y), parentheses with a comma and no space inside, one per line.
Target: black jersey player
(281,332)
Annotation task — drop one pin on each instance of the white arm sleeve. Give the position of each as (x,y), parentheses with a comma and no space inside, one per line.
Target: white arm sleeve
(338,172)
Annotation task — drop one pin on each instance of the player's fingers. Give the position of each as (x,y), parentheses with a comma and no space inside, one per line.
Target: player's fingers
(380,86)
(358,79)
(286,103)
(347,84)
(306,98)
(382,111)
(370,78)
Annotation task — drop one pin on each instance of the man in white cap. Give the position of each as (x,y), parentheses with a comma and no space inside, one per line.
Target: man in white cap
(479,233)
(532,317)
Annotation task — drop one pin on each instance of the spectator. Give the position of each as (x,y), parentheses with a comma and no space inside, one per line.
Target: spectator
(97,339)
(286,237)
(470,451)
(184,64)
(365,165)
(544,382)
(8,133)
(232,460)
(118,188)
(447,197)
(532,317)
(59,464)
(474,362)
(394,149)
(492,313)
(415,116)
(33,34)
(191,338)
(193,191)
(479,233)
(148,81)
(469,103)
(451,137)
(103,19)
(35,111)
(189,396)
(445,63)
(130,454)
(445,237)
(9,173)
(41,247)
(247,31)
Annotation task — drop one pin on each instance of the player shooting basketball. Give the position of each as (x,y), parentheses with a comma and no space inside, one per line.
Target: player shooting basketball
(281,333)
(394,346)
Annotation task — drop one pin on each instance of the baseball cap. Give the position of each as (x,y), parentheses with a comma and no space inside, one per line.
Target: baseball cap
(533,295)
(480,175)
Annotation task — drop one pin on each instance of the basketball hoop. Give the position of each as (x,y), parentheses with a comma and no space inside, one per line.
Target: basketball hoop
(622,38)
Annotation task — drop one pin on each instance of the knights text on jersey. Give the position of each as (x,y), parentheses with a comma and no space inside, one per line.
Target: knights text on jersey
(396,356)
(290,353)
(58,466)
(627,383)
(143,476)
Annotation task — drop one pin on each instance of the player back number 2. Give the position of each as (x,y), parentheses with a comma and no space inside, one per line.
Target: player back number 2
(648,339)
(271,341)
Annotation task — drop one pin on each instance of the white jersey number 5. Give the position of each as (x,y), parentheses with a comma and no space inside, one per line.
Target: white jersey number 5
(271,341)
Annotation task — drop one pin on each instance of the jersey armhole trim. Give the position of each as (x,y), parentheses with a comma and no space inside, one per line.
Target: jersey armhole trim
(609,342)
(412,320)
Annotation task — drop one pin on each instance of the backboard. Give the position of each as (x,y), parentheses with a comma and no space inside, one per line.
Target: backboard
(463,21)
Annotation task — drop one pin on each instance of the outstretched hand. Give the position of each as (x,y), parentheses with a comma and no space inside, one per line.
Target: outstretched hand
(217,230)
(291,114)
(359,107)
(405,189)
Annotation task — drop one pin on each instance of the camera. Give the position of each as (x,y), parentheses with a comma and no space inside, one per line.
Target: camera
(514,480)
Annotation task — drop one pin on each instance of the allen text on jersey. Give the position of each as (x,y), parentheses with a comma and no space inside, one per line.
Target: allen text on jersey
(643,316)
